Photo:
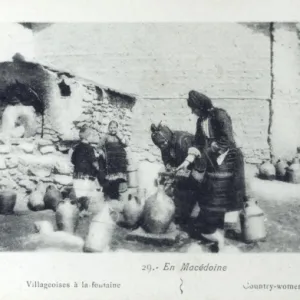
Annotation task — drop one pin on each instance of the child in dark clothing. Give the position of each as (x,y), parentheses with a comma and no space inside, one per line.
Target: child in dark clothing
(84,158)
(85,167)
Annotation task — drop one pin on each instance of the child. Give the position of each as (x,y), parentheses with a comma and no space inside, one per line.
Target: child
(113,150)
(85,166)
(84,158)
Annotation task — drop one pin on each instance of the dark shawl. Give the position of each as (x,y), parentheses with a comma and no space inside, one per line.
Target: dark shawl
(178,144)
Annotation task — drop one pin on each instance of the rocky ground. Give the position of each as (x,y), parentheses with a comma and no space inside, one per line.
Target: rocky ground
(280,202)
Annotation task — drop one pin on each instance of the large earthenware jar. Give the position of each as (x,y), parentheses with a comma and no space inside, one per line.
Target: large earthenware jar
(52,197)
(8,199)
(293,172)
(267,171)
(280,168)
(159,212)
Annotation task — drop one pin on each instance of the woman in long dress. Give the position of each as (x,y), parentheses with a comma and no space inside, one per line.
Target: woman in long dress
(223,189)
(113,160)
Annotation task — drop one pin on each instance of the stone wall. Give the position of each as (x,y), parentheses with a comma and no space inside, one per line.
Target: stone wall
(25,162)
(161,62)
(45,156)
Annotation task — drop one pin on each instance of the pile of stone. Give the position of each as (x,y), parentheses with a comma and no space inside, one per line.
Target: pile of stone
(25,162)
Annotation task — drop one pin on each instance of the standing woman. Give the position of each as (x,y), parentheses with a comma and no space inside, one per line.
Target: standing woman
(112,161)
(223,189)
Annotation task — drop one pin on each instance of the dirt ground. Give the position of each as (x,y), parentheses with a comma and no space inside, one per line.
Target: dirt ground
(280,202)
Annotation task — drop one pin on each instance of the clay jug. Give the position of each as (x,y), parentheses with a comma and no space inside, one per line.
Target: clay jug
(132,211)
(8,199)
(52,197)
(36,201)
(280,168)
(68,192)
(159,212)
(293,172)
(252,223)
(148,174)
(101,230)
(67,216)
(267,171)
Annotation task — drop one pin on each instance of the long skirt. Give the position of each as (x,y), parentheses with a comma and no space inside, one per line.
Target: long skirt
(116,162)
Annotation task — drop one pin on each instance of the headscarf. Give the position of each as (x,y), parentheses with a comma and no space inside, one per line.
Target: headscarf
(200,101)
(161,134)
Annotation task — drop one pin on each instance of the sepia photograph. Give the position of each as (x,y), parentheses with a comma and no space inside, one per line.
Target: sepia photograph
(150,137)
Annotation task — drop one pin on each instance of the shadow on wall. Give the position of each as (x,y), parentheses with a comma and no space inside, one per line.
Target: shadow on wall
(264,28)
(36,27)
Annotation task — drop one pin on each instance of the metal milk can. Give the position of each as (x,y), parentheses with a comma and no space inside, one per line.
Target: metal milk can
(252,223)
(67,216)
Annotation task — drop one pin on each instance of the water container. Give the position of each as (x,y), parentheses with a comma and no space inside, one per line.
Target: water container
(52,197)
(8,199)
(67,216)
(159,212)
(280,169)
(293,172)
(252,223)
(132,210)
(36,201)
(101,230)
(267,171)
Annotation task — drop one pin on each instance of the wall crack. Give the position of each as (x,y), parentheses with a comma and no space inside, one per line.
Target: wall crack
(271,109)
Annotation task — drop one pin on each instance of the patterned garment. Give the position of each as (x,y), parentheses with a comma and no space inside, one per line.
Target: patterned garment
(116,161)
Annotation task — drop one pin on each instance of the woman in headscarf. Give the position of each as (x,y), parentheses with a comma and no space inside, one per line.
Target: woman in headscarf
(223,189)
(174,146)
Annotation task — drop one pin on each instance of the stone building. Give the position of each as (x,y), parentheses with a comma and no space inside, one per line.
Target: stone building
(142,73)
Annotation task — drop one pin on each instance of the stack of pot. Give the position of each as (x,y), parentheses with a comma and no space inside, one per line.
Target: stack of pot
(282,170)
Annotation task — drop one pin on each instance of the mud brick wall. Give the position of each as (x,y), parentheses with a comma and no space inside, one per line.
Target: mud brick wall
(250,128)
(252,70)
(285,135)
(161,62)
